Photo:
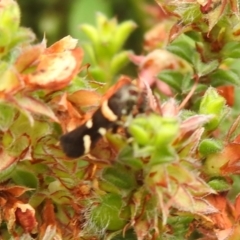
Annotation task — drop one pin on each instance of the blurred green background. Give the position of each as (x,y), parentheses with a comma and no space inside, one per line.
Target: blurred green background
(58,18)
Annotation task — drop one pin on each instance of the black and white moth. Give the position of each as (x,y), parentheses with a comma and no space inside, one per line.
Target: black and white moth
(82,139)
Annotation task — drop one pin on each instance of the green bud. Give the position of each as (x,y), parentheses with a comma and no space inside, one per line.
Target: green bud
(219,184)
(209,146)
(108,187)
(212,103)
(106,28)
(122,32)
(23,35)
(166,134)
(91,32)
(119,61)
(9,21)
(213,164)
(141,136)
(5,38)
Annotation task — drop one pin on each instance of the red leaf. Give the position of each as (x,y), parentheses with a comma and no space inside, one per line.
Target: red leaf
(6,160)
(228,93)
(222,219)
(34,106)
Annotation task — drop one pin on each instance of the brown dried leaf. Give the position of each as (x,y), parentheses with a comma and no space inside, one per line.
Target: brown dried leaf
(120,82)
(184,201)
(180,28)
(85,98)
(16,211)
(16,191)
(213,13)
(158,35)
(49,225)
(25,217)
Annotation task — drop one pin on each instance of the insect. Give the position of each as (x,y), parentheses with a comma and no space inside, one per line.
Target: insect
(82,139)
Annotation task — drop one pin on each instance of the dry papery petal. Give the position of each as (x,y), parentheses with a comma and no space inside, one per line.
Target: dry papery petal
(153,102)
(29,56)
(194,122)
(158,60)
(55,71)
(170,108)
(157,35)
(66,43)
(224,234)
(152,64)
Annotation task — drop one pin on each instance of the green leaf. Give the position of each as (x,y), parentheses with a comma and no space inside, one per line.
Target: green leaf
(7,114)
(231,50)
(118,61)
(224,77)
(128,235)
(25,177)
(122,32)
(183,47)
(173,78)
(106,214)
(204,68)
(126,157)
(119,177)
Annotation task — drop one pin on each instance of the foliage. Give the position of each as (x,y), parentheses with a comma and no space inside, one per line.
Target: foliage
(170,172)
